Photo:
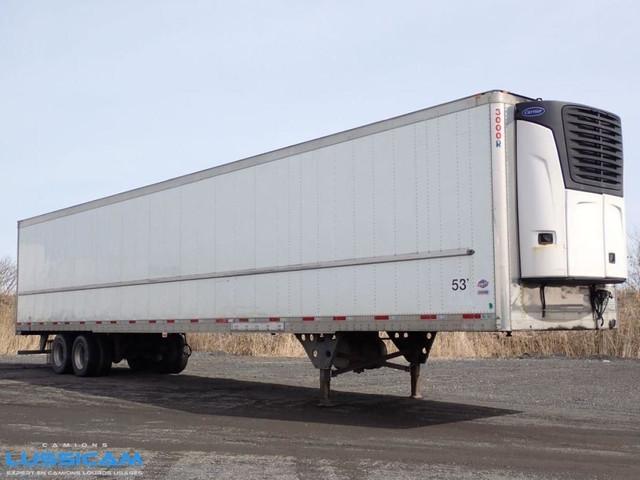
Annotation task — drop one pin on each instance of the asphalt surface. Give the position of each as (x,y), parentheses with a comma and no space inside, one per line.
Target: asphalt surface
(237,418)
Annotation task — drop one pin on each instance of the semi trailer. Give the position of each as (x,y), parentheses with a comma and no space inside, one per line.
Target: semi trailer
(492,213)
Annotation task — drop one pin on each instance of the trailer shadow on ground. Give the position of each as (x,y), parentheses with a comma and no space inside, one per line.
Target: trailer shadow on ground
(203,395)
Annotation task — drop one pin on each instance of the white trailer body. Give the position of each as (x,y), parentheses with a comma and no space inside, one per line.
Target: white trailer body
(468,216)
(410,221)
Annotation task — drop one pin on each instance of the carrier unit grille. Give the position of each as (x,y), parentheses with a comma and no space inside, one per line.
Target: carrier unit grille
(594,148)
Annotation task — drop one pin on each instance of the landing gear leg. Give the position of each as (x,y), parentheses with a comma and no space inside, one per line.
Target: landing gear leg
(325,387)
(414,370)
(321,349)
(342,352)
(415,347)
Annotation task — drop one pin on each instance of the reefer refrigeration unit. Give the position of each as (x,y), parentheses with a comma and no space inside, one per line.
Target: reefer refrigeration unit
(494,212)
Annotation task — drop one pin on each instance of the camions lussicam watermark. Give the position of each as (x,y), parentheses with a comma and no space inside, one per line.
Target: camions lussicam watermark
(73,460)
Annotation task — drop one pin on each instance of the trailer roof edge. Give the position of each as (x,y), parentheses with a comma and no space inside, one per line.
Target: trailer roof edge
(491,96)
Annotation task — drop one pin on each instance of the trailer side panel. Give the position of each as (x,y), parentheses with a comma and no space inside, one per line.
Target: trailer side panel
(398,223)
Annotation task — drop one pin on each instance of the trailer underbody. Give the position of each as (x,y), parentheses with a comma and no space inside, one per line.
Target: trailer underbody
(89,354)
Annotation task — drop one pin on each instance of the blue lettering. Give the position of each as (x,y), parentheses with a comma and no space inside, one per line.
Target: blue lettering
(108,461)
(66,459)
(47,459)
(71,459)
(28,463)
(498,143)
(86,461)
(136,459)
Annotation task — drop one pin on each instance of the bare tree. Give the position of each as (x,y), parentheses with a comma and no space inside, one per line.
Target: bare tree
(633,259)
(8,276)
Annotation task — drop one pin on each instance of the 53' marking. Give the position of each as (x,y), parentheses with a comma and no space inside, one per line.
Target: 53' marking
(459,284)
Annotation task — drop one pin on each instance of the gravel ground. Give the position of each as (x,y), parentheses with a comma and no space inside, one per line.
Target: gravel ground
(256,418)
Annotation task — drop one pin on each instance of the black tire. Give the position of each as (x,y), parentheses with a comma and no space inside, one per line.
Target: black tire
(181,363)
(85,355)
(105,348)
(176,354)
(183,352)
(61,353)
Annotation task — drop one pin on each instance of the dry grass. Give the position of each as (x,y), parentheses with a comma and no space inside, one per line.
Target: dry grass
(624,342)
(254,344)
(9,342)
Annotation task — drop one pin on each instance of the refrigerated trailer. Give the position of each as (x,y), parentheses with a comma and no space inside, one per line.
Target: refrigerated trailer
(493,213)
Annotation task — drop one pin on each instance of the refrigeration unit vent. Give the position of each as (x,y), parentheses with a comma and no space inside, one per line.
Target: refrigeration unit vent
(594,148)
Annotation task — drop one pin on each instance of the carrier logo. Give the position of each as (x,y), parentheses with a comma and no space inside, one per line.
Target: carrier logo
(533,111)
(483,283)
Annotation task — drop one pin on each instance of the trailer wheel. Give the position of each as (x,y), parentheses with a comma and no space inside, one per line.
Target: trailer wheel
(105,349)
(175,356)
(85,355)
(61,353)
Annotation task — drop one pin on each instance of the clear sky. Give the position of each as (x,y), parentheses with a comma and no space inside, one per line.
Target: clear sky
(98,97)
